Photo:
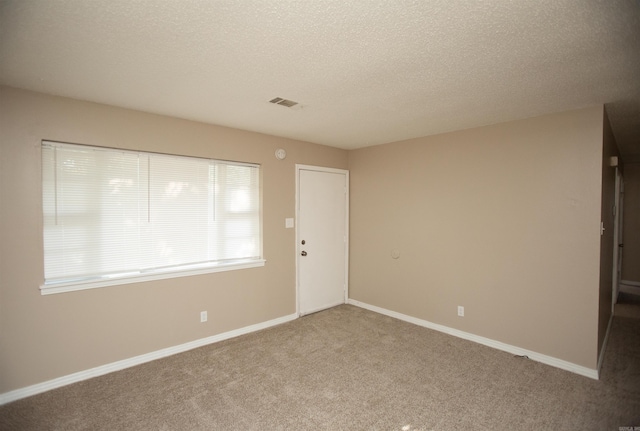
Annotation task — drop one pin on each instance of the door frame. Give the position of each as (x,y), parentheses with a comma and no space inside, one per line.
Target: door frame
(618,224)
(298,247)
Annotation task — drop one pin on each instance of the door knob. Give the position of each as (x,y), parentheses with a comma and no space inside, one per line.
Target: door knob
(304,253)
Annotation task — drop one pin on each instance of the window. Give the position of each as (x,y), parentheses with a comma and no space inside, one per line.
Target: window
(113,216)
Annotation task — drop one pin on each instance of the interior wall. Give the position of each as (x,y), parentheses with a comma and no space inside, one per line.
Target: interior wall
(503,220)
(631,223)
(45,337)
(607,216)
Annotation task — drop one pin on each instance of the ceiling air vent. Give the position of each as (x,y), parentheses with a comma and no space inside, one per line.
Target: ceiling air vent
(283,102)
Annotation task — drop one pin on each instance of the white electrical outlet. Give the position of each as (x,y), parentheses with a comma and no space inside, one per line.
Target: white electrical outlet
(203,316)
(460,311)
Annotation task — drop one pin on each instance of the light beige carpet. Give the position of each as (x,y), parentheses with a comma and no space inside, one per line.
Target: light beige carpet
(347,369)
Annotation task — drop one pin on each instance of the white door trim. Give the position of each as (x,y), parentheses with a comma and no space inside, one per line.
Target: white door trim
(298,249)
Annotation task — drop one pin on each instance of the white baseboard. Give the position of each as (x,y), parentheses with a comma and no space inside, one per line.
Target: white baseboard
(17,394)
(548,360)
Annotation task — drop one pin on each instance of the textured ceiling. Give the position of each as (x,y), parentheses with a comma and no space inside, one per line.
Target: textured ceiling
(365,72)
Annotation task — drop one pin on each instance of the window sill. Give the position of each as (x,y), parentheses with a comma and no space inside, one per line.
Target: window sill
(49,289)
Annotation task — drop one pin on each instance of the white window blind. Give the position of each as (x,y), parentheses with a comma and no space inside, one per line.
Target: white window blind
(114,214)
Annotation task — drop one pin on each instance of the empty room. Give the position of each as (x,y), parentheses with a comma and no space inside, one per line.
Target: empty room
(302,215)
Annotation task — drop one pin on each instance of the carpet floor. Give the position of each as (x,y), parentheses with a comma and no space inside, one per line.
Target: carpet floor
(349,369)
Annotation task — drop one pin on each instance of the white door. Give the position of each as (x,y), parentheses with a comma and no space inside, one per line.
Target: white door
(322,237)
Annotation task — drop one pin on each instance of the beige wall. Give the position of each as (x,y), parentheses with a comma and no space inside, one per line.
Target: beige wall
(631,232)
(503,220)
(608,189)
(44,337)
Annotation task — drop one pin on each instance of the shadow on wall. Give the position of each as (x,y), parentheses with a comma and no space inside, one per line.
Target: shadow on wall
(628,304)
